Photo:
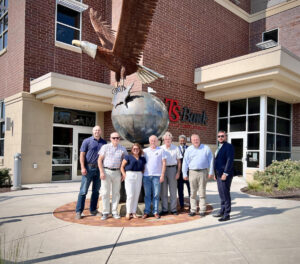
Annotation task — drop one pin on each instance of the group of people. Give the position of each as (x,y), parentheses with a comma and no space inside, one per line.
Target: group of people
(162,170)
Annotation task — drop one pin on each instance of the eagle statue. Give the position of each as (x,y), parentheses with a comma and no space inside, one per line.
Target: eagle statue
(121,53)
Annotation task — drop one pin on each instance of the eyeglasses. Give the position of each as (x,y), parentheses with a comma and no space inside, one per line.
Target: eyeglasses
(135,149)
(115,138)
(221,136)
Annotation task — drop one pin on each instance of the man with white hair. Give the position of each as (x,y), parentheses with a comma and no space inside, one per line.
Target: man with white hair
(173,168)
(153,176)
(90,172)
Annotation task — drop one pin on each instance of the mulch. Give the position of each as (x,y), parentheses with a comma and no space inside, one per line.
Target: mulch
(5,189)
(291,194)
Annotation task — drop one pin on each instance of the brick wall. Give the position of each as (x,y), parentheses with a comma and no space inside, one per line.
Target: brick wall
(186,35)
(42,56)
(288,23)
(296,125)
(12,66)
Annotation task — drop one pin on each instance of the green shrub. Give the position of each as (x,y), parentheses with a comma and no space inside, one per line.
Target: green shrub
(255,186)
(5,179)
(282,174)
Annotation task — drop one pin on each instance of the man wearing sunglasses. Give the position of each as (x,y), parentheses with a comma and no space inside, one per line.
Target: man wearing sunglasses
(223,174)
(109,162)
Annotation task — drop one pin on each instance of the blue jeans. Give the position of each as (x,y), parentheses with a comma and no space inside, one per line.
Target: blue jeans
(93,175)
(152,188)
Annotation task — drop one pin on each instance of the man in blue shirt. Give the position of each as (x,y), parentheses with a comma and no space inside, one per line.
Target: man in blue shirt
(198,159)
(90,171)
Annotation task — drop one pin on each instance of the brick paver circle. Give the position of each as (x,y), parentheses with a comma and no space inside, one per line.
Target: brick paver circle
(67,213)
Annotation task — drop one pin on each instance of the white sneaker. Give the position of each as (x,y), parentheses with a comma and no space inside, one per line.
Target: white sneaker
(104,217)
(116,216)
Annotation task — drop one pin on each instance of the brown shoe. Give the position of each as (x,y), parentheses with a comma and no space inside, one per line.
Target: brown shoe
(145,216)
(127,217)
(157,216)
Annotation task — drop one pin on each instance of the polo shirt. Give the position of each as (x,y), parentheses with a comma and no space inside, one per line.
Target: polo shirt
(173,154)
(133,164)
(154,159)
(91,147)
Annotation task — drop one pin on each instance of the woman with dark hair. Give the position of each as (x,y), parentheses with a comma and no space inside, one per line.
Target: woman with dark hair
(132,169)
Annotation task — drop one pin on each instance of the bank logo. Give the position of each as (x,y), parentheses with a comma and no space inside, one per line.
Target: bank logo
(184,114)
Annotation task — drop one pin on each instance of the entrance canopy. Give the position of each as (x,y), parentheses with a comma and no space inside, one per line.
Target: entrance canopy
(71,92)
(273,72)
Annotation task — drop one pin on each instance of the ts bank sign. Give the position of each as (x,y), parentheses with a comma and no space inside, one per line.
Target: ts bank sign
(184,114)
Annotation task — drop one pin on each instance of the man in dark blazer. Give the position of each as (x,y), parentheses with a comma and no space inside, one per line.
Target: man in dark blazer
(180,182)
(223,166)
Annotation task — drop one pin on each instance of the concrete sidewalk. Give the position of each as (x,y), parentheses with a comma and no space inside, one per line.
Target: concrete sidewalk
(262,230)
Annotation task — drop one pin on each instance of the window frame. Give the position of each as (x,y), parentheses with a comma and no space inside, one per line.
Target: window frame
(66,25)
(263,34)
(2,33)
(2,122)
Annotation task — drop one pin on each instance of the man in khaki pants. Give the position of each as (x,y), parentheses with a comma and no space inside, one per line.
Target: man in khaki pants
(198,159)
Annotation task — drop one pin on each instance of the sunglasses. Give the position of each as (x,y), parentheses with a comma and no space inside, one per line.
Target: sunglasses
(115,138)
(221,136)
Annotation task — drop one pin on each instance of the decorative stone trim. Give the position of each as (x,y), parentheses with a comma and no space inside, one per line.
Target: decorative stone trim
(72,4)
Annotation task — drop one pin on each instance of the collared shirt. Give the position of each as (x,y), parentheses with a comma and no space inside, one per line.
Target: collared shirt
(173,154)
(218,149)
(154,160)
(134,164)
(113,156)
(197,159)
(91,147)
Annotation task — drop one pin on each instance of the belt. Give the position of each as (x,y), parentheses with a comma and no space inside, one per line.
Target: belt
(114,169)
(171,166)
(93,165)
(198,169)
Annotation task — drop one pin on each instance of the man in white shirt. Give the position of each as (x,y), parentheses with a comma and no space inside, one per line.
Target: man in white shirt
(173,167)
(153,176)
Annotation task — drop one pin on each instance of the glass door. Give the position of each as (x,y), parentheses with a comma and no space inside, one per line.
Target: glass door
(80,133)
(238,140)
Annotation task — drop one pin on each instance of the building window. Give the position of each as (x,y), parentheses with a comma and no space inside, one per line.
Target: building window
(68,21)
(270,35)
(278,130)
(3,23)
(2,128)
(243,115)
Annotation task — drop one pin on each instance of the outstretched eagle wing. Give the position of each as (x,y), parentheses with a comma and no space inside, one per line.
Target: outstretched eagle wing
(134,25)
(103,30)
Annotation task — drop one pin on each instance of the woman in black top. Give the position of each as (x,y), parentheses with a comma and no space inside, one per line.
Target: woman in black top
(132,169)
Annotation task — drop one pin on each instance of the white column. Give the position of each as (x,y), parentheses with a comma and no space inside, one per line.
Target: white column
(263,132)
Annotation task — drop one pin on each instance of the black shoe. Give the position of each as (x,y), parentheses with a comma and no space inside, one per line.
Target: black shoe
(174,213)
(224,218)
(163,213)
(218,215)
(192,214)
(202,214)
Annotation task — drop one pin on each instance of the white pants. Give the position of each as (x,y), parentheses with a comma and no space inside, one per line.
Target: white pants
(113,178)
(133,185)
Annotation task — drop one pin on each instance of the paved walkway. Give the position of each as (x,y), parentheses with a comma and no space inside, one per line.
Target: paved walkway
(262,230)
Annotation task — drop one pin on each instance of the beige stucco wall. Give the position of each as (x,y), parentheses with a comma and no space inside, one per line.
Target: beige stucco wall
(31,136)
(295,153)
(100,121)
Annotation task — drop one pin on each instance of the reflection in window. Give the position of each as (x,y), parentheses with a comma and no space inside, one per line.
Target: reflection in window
(238,107)
(61,173)
(271,106)
(283,126)
(270,142)
(253,123)
(283,109)
(223,124)
(253,141)
(269,158)
(237,124)
(283,143)
(254,105)
(223,109)
(252,159)
(3,23)
(271,124)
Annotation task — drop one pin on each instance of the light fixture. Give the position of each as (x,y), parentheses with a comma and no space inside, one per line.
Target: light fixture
(267,44)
